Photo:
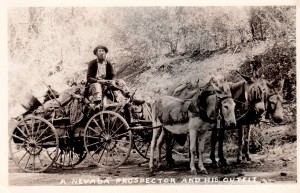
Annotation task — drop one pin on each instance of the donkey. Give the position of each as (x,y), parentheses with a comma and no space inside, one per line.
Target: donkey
(273,109)
(251,96)
(187,91)
(187,117)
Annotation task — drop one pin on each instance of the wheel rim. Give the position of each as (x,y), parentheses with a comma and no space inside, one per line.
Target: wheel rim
(33,144)
(107,139)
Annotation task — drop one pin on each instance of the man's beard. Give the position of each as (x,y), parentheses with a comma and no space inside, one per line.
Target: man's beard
(101,58)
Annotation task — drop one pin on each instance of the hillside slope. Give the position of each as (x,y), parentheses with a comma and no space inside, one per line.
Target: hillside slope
(158,76)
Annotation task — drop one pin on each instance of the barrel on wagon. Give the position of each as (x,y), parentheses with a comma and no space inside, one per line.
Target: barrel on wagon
(30,102)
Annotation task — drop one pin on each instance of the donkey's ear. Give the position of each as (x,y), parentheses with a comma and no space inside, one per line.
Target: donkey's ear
(281,83)
(248,79)
(255,74)
(212,80)
(217,89)
(270,84)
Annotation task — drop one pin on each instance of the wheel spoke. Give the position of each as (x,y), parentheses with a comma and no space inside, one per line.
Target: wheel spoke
(117,129)
(104,149)
(93,144)
(22,157)
(102,121)
(45,138)
(115,120)
(143,144)
(50,154)
(25,125)
(94,130)
(27,160)
(33,162)
(106,156)
(19,129)
(38,128)
(93,137)
(121,141)
(42,133)
(97,125)
(40,161)
(120,135)
(19,137)
(97,149)
(108,121)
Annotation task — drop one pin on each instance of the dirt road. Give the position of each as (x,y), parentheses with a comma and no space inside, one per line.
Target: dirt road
(265,168)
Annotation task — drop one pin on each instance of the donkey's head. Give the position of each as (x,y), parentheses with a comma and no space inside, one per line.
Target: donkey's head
(256,96)
(220,103)
(254,91)
(274,101)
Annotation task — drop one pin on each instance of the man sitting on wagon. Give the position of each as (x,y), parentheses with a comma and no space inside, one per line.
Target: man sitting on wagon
(100,70)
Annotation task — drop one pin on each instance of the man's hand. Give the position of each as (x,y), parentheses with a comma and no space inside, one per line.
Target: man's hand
(77,96)
(108,82)
(102,81)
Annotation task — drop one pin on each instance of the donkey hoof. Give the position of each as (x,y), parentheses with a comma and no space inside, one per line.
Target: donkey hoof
(215,165)
(203,171)
(223,163)
(193,172)
(159,166)
(226,170)
(170,165)
(151,170)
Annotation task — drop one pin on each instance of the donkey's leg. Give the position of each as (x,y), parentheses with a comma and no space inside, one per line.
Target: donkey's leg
(160,142)
(169,147)
(153,146)
(213,142)
(193,138)
(240,144)
(247,133)
(223,161)
(202,138)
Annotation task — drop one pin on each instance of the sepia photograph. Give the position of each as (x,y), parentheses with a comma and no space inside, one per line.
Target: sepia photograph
(151,96)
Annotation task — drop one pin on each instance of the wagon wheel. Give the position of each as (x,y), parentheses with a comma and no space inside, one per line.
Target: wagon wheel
(107,139)
(70,156)
(142,143)
(142,138)
(33,144)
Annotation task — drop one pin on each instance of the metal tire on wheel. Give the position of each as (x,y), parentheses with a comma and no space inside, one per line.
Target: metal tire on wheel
(33,144)
(107,139)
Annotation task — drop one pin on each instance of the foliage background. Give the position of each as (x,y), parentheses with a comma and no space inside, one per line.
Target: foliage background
(151,47)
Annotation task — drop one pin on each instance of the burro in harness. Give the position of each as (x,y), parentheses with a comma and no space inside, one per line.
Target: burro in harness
(194,117)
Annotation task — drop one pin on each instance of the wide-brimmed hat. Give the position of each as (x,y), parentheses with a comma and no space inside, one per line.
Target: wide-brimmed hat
(100,47)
